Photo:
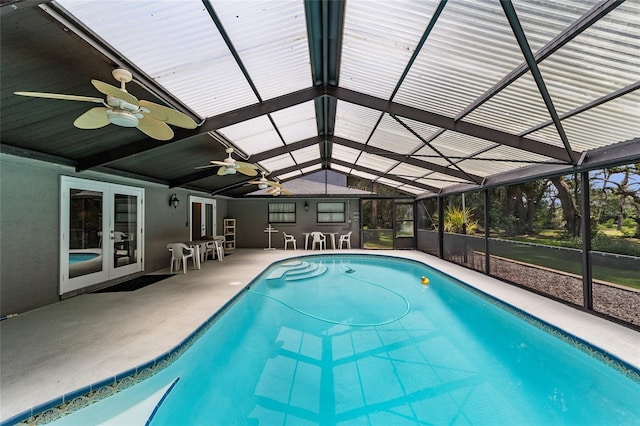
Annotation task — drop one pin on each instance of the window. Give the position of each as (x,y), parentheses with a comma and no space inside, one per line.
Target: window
(331,213)
(282,212)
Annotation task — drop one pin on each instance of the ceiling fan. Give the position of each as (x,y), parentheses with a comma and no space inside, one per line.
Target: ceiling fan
(278,191)
(123,109)
(229,166)
(263,183)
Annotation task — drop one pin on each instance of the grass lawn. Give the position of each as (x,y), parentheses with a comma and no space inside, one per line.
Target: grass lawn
(555,259)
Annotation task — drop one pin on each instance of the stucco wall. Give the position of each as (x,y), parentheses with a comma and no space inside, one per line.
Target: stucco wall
(30,228)
(251,220)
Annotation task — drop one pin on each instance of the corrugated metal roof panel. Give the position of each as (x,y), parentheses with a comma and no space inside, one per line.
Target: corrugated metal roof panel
(379,39)
(263,30)
(543,20)
(515,109)
(306,154)
(412,189)
(355,122)
(253,136)
(338,168)
(345,153)
(460,145)
(297,122)
(177,44)
(277,163)
(503,152)
(609,123)
(461,59)
(310,169)
(295,173)
(389,182)
(392,136)
(487,167)
(409,171)
(364,175)
(375,162)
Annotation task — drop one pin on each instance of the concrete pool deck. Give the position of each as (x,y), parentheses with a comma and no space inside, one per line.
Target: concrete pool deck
(65,346)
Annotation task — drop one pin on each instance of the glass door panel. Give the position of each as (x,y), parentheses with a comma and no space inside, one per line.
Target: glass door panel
(100,232)
(85,243)
(126,230)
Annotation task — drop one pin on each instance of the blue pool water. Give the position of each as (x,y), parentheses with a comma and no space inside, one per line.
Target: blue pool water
(81,257)
(358,340)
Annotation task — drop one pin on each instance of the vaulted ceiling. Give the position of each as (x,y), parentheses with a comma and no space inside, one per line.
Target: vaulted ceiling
(425,96)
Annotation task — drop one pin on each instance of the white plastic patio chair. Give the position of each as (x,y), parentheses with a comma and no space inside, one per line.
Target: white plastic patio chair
(320,239)
(288,238)
(179,254)
(346,238)
(210,247)
(219,249)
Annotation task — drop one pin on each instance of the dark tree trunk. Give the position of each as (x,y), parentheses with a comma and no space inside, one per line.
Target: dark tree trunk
(570,212)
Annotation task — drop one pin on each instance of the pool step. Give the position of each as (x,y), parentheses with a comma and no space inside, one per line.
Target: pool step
(315,272)
(296,270)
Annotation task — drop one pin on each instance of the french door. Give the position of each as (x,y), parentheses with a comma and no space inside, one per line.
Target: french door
(203,217)
(101,227)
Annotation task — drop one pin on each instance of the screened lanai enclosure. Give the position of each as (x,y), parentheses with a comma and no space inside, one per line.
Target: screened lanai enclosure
(508,132)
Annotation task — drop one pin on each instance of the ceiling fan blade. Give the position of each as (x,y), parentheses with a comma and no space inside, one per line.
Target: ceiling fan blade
(206,167)
(219,163)
(222,171)
(155,129)
(169,115)
(59,96)
(249,171)
(274,184)
(285,192)
(95,118)
(110,90)
(255,182)
(247,165)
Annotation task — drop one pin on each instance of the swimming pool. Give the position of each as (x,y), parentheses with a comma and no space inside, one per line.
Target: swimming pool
(359,343)
(81,257)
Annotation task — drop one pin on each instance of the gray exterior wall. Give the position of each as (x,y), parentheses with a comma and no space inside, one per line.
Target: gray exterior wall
(251,219)
(30,228)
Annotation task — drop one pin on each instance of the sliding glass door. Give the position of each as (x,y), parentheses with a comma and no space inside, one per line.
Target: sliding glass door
(100,232)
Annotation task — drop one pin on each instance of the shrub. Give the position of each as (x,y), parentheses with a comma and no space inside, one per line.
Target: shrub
(454,218)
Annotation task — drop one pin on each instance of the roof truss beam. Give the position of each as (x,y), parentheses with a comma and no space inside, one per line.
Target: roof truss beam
(387,176)
(407,159)
(518,32)
(211,124)
(449,123)
(575,29)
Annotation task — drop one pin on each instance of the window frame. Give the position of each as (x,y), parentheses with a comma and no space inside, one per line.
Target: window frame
(330,212)
(283,213)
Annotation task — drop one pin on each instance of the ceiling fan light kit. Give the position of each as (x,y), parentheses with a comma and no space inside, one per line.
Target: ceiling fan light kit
(124,110)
